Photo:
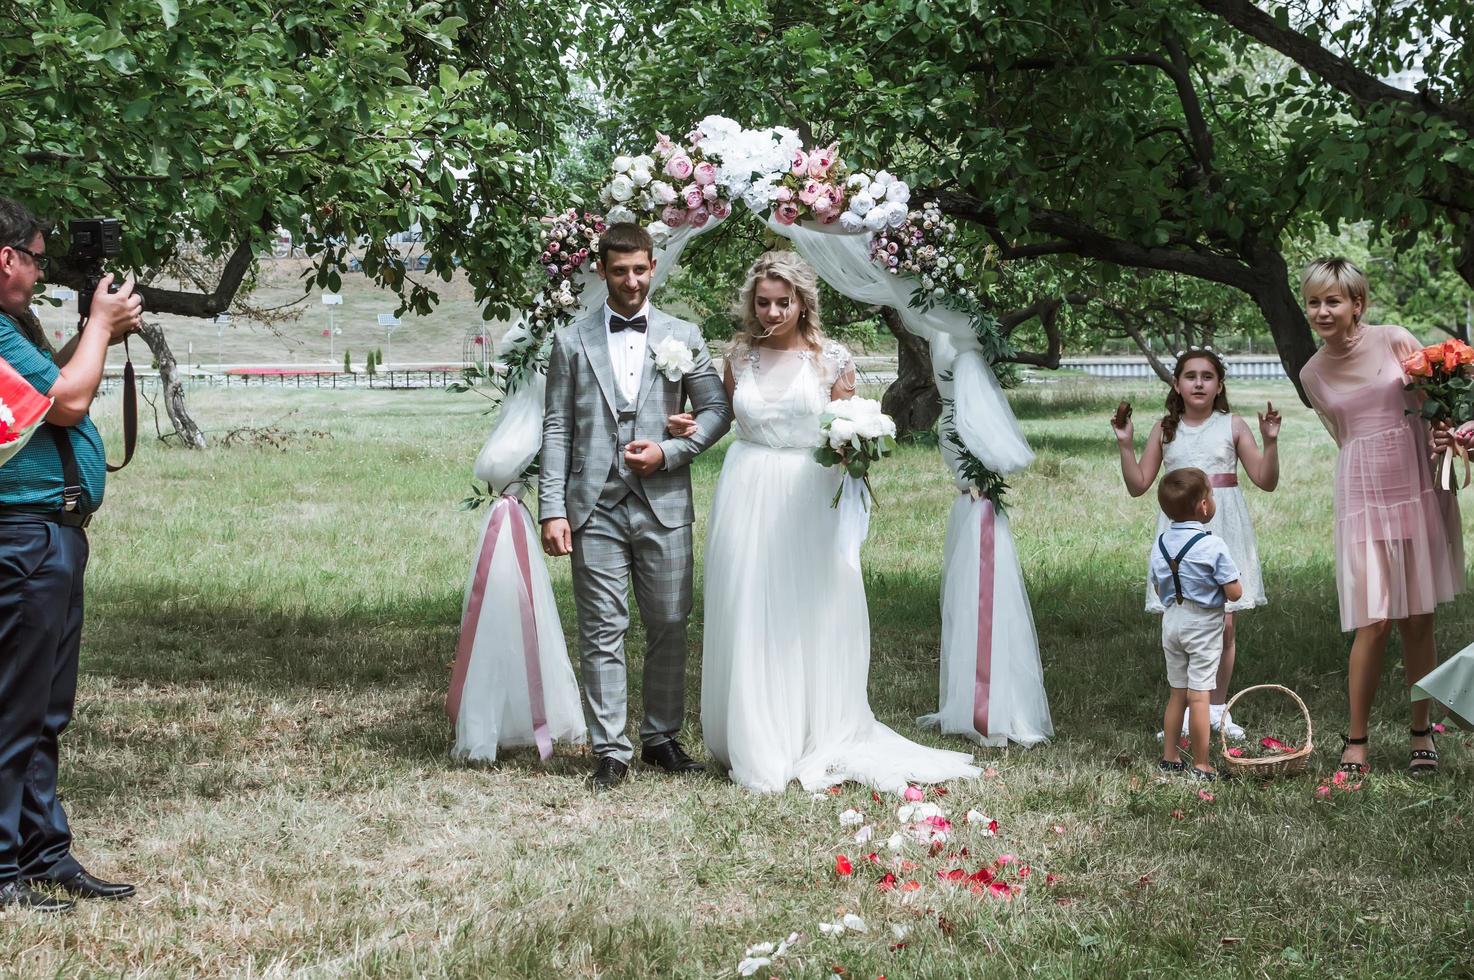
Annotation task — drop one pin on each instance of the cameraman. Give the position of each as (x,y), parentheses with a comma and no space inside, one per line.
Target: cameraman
(48,492)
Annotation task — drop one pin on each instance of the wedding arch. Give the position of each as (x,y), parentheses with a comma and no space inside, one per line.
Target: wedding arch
(862,235)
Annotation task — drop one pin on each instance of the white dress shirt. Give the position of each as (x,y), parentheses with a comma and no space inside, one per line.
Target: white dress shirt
(627,353)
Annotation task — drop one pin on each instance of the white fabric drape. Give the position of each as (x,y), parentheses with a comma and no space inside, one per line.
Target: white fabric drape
(984,421)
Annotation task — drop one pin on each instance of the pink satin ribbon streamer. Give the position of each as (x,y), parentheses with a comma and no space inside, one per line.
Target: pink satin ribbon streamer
(1218,480)
(505,509)
(982,683)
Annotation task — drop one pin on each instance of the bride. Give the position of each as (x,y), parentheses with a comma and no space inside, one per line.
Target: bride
(787,631)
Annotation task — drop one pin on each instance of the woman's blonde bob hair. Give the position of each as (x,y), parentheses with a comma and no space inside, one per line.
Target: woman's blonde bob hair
(785,267)
(1338,273)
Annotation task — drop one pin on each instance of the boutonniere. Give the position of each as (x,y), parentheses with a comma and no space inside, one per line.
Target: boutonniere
(673,358)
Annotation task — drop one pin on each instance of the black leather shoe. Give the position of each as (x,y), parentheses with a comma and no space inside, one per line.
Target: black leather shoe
(84,885)
(17,894)
(670,757)
(609,773)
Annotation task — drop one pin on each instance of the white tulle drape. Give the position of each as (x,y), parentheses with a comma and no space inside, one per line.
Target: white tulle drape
(1016,708)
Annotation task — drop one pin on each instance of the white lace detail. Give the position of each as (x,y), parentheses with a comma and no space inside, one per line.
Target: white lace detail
(780,395)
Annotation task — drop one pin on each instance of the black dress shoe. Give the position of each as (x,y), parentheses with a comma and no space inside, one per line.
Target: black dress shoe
(17,894)
(84,885)
(609,773)
(670,757)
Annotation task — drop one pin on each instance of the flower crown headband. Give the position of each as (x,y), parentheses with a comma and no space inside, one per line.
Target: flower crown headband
(1195,349)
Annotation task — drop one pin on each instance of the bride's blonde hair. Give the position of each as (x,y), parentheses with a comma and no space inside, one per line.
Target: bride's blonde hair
(791,269)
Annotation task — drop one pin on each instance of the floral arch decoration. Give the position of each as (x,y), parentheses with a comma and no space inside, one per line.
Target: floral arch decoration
(862,235)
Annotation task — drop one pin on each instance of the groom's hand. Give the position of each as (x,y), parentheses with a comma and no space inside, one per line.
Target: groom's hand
(644,457)
(557,537)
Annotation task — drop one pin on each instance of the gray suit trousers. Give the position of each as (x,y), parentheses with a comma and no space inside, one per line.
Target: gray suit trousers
(620,542)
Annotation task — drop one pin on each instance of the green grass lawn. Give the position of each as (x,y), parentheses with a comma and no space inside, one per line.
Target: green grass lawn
(261,745)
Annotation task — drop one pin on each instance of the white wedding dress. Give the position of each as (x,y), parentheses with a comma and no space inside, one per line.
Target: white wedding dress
(786,657)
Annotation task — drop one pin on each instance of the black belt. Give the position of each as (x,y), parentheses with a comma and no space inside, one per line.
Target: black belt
(66,518)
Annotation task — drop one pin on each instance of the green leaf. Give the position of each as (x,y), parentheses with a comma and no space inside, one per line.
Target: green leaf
(170,10)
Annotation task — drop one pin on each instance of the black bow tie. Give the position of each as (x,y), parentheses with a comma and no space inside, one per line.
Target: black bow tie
(618,323)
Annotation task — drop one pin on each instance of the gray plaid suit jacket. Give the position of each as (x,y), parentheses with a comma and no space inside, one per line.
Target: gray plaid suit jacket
(581,426)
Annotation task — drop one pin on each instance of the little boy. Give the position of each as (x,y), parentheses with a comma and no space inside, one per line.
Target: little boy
(1193,575)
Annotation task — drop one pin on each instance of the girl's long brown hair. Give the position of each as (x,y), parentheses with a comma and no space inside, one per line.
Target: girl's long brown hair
(1175,405)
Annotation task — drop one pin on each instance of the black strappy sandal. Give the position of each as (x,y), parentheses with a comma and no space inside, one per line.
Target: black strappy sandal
(1427,756)
(1355,768)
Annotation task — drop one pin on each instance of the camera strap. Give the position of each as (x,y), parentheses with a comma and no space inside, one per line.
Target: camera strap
(130,410)
(71,476)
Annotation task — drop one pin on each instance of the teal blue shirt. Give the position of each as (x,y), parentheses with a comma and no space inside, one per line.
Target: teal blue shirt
(32,477)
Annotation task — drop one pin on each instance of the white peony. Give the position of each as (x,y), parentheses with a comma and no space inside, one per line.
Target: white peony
(876,191)
(850,221)
(884,178)
(861,204)
(640,177)
(621,188)
(660,232)
(875,220)
(673,359)
(841,433)
(899,192)
(622,164)
(857,180)
(895,213)
(643,162)
(662,193)
(618,214)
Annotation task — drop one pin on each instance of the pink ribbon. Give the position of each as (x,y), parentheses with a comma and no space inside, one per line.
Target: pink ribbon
(504,510)
(1223,479)
(983,679)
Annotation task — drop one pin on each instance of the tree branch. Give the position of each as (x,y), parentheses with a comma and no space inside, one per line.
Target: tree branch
(1337,71)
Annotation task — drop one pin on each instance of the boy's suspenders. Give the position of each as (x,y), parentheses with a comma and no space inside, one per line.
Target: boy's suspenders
(1173,563)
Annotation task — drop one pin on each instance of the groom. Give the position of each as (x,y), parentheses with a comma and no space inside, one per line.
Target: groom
(615,492)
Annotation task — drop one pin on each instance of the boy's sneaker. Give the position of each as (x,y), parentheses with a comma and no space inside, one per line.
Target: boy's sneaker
(1221,720)
(1206,775)
(1173,767)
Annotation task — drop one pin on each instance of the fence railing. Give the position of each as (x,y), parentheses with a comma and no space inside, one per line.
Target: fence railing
(1249,367)
(436,378)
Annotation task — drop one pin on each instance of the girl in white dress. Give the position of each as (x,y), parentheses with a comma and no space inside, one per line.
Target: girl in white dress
(1199,430)
(786,656)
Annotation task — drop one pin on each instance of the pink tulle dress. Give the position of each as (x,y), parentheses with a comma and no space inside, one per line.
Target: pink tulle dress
(1399,549)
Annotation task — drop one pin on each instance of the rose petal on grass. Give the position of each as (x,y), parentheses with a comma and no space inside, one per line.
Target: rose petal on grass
(1205,796)
(854,923)
(910,886)
(1059,828)
(914,794)
(1176,814)
(1236,752)
(999,889)
(843,866)
(1322,791)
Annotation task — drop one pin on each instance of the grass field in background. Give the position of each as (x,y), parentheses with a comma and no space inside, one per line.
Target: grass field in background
(260,744)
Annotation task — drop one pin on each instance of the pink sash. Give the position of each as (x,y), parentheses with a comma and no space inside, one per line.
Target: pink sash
(504,510)
(982,683)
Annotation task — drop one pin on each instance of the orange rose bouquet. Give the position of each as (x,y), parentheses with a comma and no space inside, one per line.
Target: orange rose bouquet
(1442,373)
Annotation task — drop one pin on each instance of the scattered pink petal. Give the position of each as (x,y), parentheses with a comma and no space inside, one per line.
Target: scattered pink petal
(1059,828)
(1322,791)
(1205,795)
(910,886)
(939,791)
(913,794)
(1176,814)
(873,858)
(992,828)
(843,867)
(955,874)
(1000,890)
(1024,871)
(1340,777)
(1276,745)
(886,883)
(1050,879)
(983,876)
(1439,728)
(990,773)
(1236,752)
(1005,859)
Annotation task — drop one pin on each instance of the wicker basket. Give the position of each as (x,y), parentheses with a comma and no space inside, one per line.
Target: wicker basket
(1266,767)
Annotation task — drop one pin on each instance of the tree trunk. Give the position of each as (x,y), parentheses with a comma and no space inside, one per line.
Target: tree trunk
(912,399)
(189,433)
(1285,314)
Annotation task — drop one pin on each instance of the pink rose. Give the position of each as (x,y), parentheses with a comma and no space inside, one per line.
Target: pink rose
(673,216)
(720,209)
(693,196)
(783,195)
(835,195)
(800,163)
(811,191)
(822,204)
(663,145)
(695,137)
(699,217)
(710,192)
(786,214)
(821,160)
(679,166)
(705,173)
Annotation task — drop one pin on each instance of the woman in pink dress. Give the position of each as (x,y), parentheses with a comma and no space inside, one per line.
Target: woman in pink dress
(1399,552)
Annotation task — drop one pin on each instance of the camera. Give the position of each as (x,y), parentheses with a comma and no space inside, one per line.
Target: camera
(93,241)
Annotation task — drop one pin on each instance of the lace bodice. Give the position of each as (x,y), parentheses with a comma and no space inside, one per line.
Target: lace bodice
(779,395)
(1209,446)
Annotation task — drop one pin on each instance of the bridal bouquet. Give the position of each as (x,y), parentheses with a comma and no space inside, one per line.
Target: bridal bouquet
(856,434)
(1442,373)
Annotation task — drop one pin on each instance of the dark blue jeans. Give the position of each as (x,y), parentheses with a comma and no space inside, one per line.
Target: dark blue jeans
(41,571)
